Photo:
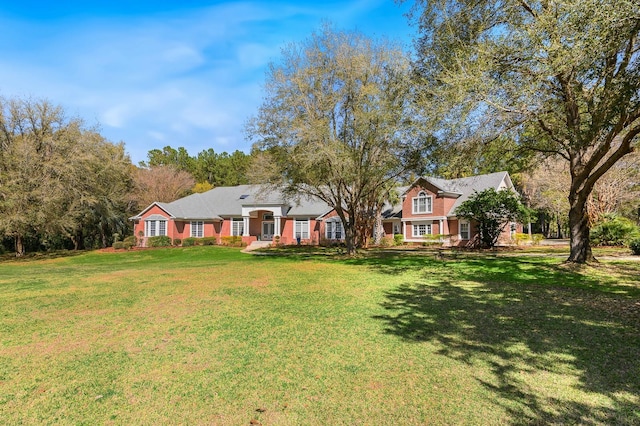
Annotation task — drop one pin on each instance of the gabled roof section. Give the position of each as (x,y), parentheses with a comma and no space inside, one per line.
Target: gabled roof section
(469,185)
(162,206)
(443,185)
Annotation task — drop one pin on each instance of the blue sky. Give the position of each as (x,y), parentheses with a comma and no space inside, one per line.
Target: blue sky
(157,73)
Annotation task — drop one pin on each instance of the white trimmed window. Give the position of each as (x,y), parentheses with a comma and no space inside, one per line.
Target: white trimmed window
(154,228)
(301,229)
(334,230)
(197,229)
(237,227)
(421,229)
(422,203)
(463,230)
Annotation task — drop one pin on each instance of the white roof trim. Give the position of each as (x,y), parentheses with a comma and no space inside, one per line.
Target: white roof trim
(155,203)
(423,219)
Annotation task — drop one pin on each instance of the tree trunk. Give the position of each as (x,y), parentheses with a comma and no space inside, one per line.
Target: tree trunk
(378,232)
(349,239)
(19,245)
(559,224)
(579,230)
(103,234)
(543,228)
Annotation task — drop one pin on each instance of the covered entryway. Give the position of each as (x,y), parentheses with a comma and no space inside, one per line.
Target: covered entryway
(262,222)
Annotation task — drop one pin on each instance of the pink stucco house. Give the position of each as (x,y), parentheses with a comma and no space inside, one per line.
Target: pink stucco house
(254,213)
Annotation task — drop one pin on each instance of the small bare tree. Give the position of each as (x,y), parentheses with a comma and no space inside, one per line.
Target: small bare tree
(160,183)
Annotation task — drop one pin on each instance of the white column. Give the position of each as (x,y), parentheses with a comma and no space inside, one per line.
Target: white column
(440,224)
(245,226)
(404,230)
(276,225)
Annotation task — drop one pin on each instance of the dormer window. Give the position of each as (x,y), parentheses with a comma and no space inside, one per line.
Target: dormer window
(422,203)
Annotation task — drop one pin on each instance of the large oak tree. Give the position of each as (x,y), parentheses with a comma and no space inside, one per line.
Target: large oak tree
(337,123)
(58,178)
(560,77)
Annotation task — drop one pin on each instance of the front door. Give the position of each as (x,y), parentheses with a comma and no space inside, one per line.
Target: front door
(267,231)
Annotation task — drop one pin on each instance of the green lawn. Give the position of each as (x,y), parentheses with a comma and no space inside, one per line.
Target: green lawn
(208,335)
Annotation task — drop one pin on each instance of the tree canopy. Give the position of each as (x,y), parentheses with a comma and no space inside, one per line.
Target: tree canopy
(58,179)
(493,211)
(337,123)
(216,169)
(560,78)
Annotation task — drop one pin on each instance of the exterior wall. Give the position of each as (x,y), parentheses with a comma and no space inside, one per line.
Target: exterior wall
(287,232)
(138,227)
(225,228)
(255,226)
(440,207)
(175,228)
(435,228)
(455,240)
(506,237)
(322,229)
(179,229)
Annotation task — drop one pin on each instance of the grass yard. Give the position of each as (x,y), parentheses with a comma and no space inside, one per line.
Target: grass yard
(208,335)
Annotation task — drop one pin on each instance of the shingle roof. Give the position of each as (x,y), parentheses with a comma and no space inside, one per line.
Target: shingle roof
(226,201)
(467,186)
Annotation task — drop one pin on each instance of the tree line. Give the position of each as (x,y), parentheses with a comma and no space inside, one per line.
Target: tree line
(63,185)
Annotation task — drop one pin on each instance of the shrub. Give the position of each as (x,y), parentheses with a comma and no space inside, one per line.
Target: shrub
(118,245)
(520,238)
(614,231)
(234,241)
(386,241)
(131,240)
(536,239)
(177,242)
(116,237)
(189,242)
(634,245)
(159,241)
(209,241)
(434,240)
(398,239)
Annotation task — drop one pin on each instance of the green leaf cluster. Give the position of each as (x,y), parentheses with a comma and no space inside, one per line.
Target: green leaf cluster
(492,210)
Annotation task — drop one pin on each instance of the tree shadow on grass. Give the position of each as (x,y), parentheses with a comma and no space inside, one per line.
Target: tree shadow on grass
(550,353)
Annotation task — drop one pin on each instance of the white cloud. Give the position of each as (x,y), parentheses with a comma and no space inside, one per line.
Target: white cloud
(115,116)
(159,136)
